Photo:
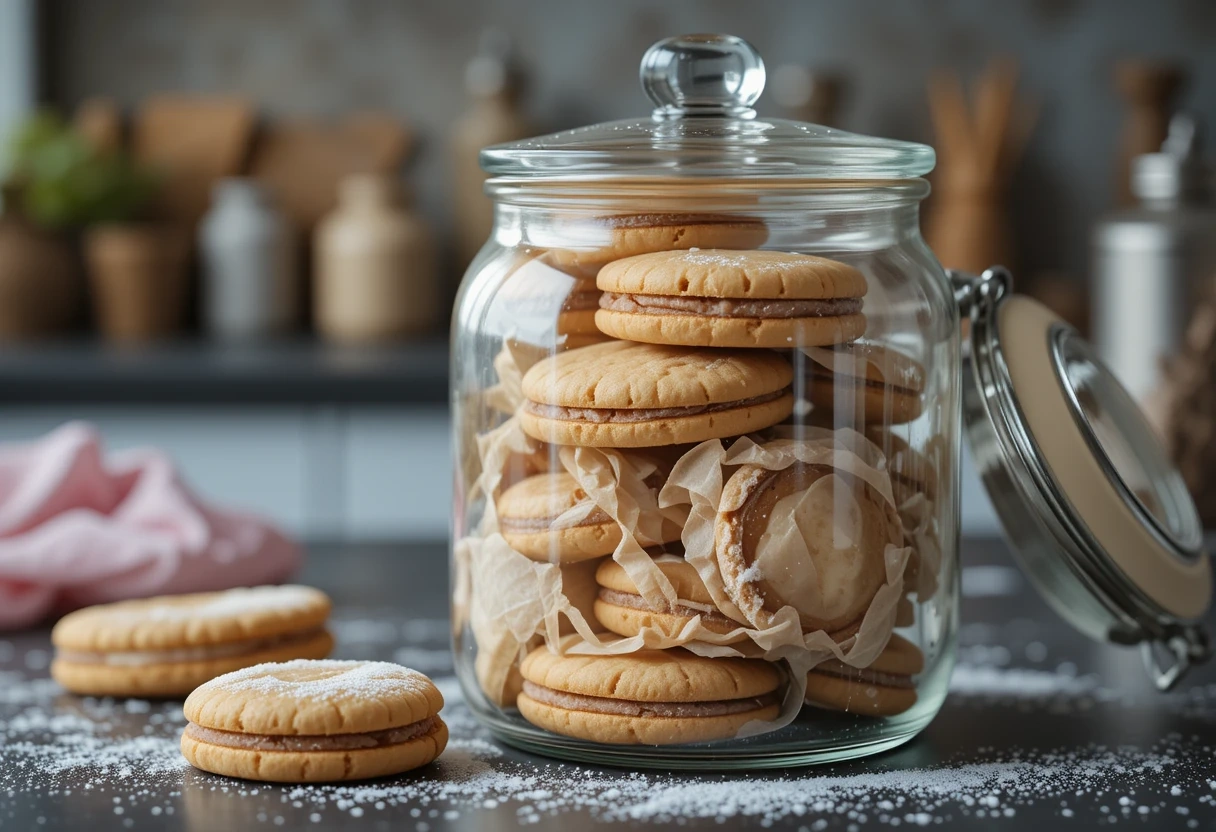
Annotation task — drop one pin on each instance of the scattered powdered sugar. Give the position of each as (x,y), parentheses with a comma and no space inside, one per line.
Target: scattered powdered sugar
(53,746)
(751,575)
(236,602)
(324,680)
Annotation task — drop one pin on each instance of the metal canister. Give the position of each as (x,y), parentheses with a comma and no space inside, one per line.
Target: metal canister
(1153,260)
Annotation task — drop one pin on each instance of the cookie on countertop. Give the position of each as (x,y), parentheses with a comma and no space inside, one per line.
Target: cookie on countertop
(651,697)
(627,395)
(885,688)
(588,243)
(621,609)
(826,556)
(549,517)
(169,645)
(713,298)
(314,722)
(883,386)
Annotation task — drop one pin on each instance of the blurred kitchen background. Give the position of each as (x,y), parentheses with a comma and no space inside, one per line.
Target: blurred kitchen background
(345,134)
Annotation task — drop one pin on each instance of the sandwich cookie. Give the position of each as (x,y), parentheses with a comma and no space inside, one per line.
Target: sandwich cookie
(885,688)
(580,589)
(170,645)
(881,386)
(601,240)
(731,299)
(651,697)
(911,471)
(622,609)
(625,395)
(809,537)
(314,722)
(549,517)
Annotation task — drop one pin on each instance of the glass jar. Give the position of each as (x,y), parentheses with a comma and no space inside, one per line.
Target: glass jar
(707,396)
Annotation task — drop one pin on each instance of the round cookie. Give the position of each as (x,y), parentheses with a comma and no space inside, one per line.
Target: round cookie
(580,589)
(169,645)
(885,386)
(911,471)
(588,244)
(715,298)
(314,722)
(885,688)
(529,517)
(651,697)
(626,395)
(621,609)
(825,555)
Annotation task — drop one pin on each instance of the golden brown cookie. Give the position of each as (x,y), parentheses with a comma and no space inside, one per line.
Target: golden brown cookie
(625,395)
(589,243)
(314,722)
(168,646)
(809,537)
(580,589)
(880,385)
(911,471)
(885,688)
(651,697)
(549,517)
(621,609)
(713,298)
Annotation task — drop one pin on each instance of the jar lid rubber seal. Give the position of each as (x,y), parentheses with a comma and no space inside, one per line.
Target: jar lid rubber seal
(1096,513)
(704,125)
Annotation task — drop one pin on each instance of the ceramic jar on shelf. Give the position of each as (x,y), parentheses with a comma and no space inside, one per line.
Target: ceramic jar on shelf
(250,284)
(375,266)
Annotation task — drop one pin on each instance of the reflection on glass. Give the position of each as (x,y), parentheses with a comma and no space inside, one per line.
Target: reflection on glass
(1148,478)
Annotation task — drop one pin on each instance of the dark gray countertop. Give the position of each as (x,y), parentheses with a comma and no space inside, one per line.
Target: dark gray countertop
(196,371)
(1042,728)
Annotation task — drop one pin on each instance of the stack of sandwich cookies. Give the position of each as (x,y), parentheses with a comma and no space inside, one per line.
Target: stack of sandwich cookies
(881,386)
(716,298)
(168,646)
(612,238)
(651,697)
(626,395)
(314,722)
(885,688)
(831,573)
(621,608)
(548,517)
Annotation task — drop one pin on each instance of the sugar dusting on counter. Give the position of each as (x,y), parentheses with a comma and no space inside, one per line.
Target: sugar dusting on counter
(128,751)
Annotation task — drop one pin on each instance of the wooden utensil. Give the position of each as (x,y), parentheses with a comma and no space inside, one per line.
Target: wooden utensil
(193,141)
(303,162)
(978,147)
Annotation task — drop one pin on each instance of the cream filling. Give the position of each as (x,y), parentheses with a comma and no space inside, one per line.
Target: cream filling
(664,710)
(769,308)
(637,602)
(581,301)
(825,376)
(139,658)
(335,742)
(602,415)
(831,667)
(541,524)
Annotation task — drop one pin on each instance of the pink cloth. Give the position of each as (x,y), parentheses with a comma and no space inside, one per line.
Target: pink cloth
(80,528)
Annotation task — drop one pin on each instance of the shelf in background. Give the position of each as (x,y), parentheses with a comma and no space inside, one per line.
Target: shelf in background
(295,372)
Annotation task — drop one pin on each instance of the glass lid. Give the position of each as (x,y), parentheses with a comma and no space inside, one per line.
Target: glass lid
(1094,509)
(703,124)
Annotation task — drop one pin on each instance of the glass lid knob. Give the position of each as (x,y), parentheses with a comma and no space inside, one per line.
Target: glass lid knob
(714,75)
